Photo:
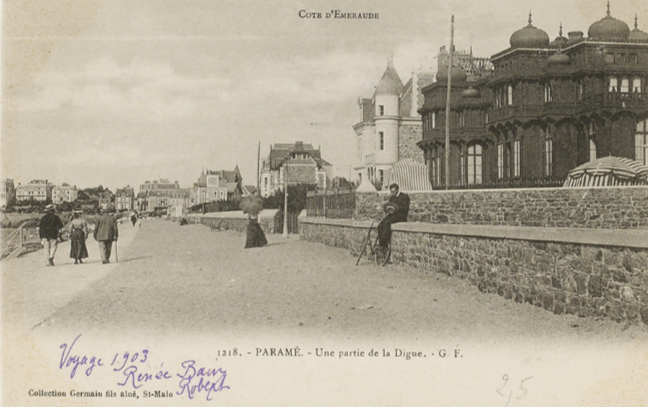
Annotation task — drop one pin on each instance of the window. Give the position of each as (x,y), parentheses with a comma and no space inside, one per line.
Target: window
(548,96)
(592,150)
(641,142)
(500,160)
(474,165)
(434,120)
(435,165)
(516,158)
(381,140)
(613,84)
(462,119)
(381,110)
(625,85)
(580,91)
(381,176)
(548,153)
(636,85)
(509,100)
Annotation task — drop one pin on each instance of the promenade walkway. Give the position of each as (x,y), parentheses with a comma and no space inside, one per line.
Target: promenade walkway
(185,292)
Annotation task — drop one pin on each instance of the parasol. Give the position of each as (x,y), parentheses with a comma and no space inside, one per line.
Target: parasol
(608,171)
(252,204)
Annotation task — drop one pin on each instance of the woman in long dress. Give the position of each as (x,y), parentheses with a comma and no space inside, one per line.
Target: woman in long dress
(78,235)
(255,235)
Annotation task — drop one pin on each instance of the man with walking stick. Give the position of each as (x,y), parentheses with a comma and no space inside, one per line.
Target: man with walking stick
(106,231)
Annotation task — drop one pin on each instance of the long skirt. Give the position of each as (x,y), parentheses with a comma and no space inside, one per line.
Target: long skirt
(255,235)
(78,249)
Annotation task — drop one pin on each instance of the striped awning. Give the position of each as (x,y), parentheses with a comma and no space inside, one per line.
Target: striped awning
(409,175)
(608,171)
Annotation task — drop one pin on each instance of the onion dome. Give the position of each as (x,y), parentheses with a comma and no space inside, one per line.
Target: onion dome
(390,82)
(470,93)
(529,37)
(559,59)
(560,42)
(458,75)
(609,29)
(637,34)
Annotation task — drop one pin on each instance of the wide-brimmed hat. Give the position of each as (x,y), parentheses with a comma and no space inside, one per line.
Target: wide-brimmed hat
(50,208)
(390,208)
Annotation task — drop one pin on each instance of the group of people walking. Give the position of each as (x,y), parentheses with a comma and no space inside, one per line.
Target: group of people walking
(105,232)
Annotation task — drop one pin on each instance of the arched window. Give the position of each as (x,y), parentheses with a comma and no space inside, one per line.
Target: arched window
(509,93)
(474,164)
(547,152)
(641,142)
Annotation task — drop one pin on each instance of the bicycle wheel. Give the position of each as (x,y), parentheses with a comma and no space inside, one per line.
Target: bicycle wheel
(387,256)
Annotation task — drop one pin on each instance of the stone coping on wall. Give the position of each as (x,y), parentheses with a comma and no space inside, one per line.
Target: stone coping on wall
(265,214)
(636,238)
(463,191)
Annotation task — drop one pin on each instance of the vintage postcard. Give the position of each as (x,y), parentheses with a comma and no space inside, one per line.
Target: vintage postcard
(195,203)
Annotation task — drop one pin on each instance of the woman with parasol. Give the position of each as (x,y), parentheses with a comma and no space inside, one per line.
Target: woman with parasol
(252,205)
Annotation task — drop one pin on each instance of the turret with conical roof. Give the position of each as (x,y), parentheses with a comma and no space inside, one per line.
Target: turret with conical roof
(387,116)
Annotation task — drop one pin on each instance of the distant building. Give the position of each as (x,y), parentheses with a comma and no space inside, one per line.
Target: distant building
(215,186)
(305,165)
(390,124)
(8,192)
(163,184)
(64,193)
(125,199)
(106,200)
(38,190)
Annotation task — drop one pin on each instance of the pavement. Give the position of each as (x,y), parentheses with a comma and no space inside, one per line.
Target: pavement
(187,292)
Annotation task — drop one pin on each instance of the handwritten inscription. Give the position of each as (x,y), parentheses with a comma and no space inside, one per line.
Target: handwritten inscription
(135,370)
(508,390)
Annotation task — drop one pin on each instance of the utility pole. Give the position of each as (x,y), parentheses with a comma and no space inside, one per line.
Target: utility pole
(447,124)
(285,223)
(259,169)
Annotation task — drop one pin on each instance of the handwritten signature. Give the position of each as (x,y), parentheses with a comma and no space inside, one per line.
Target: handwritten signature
(136,371)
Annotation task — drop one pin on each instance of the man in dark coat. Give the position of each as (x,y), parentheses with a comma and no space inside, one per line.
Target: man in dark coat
(402,202)
(106,231)
(48,231)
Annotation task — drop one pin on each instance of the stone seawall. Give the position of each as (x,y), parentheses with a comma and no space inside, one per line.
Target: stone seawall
(582,272)
(233,220)
(610,208)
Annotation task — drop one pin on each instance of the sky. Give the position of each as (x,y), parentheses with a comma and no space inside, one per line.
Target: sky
(116,92)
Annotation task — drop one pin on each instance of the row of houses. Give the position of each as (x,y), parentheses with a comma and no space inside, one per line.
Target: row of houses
(525,116)
(293,163)
(39,190)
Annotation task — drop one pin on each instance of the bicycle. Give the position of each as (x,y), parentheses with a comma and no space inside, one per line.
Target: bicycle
(375,254)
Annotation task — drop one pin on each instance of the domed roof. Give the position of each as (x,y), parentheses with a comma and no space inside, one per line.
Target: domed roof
(470,93)
(609,29)
(637,34)
(559,59)
(390,83)
(529,37)
(458,75)
(560,41)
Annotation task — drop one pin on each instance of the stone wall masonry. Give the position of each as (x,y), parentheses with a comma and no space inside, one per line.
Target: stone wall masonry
(604,207)
(600,273)
(233,220)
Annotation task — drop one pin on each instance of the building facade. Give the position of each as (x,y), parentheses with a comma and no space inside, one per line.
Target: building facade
(64,193)
(39,190)
(390,125)
(125,199)
(303,163)
(545,108)
(8,192)
(213,186)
